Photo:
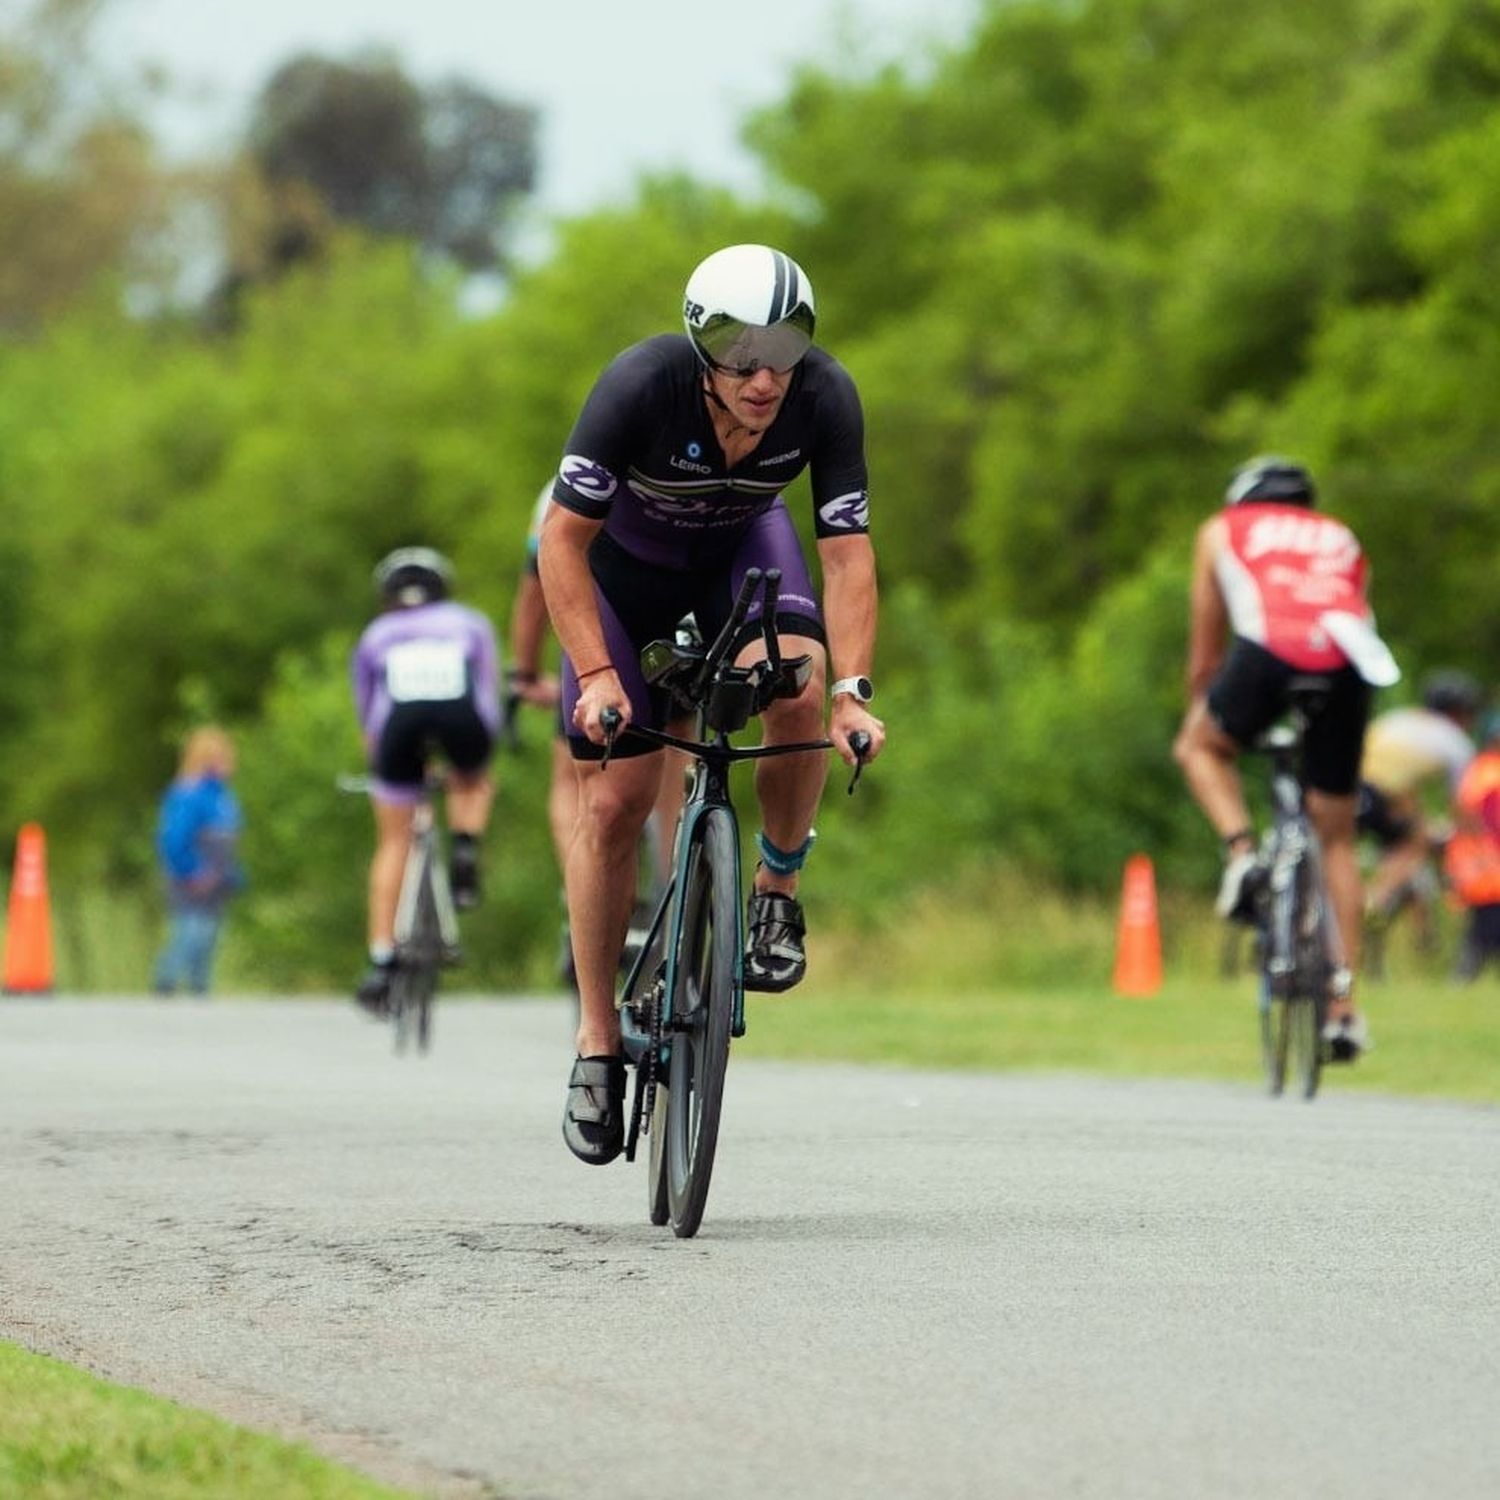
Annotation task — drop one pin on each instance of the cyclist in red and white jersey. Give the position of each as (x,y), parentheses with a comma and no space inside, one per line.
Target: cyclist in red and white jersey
(1267,569)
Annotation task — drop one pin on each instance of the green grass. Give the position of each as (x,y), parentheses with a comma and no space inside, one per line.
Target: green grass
(67,1436)
(1025,983)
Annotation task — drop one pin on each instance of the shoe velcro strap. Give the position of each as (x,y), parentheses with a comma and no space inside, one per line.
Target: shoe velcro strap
(768,908)
(592,1089)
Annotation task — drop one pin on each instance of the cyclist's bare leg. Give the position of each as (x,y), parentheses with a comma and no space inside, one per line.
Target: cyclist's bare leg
(790,786)
(470,798)
(1333,820)
(613,805)
(392,839)
(562,800)
(1398,864)
(1208,758)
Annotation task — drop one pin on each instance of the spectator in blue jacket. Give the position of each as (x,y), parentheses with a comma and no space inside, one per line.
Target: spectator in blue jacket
(196,836)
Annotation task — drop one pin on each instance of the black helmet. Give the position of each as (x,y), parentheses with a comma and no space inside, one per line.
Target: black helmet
(1453,693)
(413,575)
(1271,478)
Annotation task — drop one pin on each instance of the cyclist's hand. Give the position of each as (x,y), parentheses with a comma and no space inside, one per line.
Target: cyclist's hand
(601,691)
(540,692)
(850,715)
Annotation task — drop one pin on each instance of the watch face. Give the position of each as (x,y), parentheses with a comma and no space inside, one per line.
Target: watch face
(865,688)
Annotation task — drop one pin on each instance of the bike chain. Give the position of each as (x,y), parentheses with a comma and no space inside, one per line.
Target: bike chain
(653,1059)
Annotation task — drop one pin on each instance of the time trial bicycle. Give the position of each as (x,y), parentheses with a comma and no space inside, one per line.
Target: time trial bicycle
(1301,956)
(684,996)
(426,921)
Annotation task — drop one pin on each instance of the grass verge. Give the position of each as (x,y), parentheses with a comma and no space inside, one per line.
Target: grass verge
(1023,982)
(66,1436)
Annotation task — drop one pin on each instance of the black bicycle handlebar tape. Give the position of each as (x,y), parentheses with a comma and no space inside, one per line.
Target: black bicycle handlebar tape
(720,647)
(769,599)
(859,743)
(609,721)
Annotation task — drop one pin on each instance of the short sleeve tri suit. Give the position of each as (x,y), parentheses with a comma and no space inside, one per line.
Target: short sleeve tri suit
(426,676)
(1283,568)
(682,527)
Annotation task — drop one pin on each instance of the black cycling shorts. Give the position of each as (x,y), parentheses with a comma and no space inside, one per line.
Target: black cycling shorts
(1376,817)
(640,602)
(415,730)
(1250,694)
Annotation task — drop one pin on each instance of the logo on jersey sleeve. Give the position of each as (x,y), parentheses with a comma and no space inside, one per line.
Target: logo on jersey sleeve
(592,481)
(847,512)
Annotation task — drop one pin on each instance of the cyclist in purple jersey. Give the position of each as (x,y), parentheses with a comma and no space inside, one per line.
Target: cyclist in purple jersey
(426,675)
(668,493)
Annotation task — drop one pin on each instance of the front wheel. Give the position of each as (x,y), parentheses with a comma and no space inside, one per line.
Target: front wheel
(702,1015)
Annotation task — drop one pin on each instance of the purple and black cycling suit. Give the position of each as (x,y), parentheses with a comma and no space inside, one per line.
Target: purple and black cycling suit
(426,675)
(681,527)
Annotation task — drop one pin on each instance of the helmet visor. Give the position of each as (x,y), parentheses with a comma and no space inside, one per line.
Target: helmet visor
(740,348)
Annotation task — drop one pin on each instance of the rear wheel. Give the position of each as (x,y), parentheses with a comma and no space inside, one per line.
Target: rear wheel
(1273,1036)
(417,972)
(702,1015)
(1312,971)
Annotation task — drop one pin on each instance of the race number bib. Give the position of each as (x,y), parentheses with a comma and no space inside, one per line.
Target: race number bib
(426,672)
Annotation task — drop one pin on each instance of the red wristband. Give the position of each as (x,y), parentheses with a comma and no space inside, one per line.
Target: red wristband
(608,666)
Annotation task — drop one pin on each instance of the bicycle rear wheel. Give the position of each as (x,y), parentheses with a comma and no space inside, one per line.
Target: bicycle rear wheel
(417,972)
(702,1015)
(1312,970)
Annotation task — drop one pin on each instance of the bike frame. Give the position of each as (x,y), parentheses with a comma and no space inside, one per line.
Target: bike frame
(715,755)
(423,865)
(1292,839)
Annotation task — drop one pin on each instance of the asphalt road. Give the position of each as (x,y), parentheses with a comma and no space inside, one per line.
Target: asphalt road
(907,1285)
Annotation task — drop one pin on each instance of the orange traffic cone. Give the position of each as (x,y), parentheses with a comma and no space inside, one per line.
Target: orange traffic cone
(28,929)
(1138,944)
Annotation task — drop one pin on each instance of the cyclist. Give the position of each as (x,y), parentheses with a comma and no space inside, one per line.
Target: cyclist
(426,672)
(1405,750)
(1472,855)
(669,491)
(529,684)
(1265,569)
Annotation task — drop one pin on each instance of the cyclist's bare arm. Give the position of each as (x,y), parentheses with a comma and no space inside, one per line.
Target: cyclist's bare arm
(850,601)
(1208,622)
(568,586)
(528,633)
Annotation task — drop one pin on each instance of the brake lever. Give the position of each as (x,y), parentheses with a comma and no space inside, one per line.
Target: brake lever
(609,721)
(859,743)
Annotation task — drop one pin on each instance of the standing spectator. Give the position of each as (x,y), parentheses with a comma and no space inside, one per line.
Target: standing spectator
(1472,856)
(196,835)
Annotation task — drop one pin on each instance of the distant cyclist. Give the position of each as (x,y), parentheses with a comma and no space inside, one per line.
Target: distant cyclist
(669,492)
(426,678)
(1406,751)
(1266,568)
(1472,856)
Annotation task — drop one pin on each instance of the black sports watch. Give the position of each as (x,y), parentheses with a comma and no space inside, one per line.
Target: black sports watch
(856,687)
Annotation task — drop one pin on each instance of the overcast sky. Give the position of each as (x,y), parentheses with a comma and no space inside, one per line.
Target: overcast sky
(623,85)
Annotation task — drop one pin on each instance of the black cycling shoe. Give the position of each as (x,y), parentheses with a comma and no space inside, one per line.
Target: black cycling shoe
(463,876)
(374,992)
(775,959)
(594,1120)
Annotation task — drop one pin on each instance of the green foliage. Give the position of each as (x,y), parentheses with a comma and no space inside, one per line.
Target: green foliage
(1080,264)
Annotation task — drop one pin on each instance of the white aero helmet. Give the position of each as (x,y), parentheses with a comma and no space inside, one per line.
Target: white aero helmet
(749,307)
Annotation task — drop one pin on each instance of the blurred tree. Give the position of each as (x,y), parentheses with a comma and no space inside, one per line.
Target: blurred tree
(80,191)
(443,166)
